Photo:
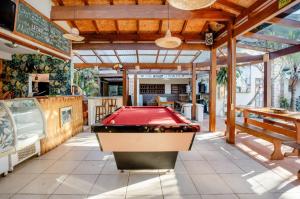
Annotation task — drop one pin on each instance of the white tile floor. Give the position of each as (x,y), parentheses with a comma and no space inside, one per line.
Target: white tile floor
(212,170)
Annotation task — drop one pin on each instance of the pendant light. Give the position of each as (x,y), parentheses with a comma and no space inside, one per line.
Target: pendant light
(73,35)
(168,41)
(191,4)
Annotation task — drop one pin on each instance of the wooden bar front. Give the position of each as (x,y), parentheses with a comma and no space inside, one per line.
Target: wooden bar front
(56,133)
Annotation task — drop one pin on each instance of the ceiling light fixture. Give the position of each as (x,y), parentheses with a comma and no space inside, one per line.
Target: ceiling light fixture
(73,35)
(118,67)
(191,4)
(11,45)
(168,41)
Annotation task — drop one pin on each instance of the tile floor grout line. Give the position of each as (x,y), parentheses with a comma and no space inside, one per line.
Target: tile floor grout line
(191,178)
(37,175)
(161,186)
(129,174)
(96,180)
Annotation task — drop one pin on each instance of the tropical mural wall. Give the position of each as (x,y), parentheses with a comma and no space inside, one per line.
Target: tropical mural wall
(16,74)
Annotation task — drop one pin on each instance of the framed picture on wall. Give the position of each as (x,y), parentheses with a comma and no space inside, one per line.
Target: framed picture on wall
(65,116)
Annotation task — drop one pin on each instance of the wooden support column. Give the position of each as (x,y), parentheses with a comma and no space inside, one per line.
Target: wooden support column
(194,77)
(212,90)
(231,85)
(124,92)
(135,90)
(267,81)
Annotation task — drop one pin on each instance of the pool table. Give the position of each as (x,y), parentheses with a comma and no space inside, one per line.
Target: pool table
(147,137)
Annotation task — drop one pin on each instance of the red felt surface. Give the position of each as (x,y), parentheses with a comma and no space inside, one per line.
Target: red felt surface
(144,116)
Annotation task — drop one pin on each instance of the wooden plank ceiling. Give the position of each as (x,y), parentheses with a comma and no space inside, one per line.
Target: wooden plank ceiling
(123,24)
(150,29)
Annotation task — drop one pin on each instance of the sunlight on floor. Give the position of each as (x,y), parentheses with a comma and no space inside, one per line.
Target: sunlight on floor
(212,169)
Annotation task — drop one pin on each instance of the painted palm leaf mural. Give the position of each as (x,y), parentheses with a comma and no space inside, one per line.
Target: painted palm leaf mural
(16,74)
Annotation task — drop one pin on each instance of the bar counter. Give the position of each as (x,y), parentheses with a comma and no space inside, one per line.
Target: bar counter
(58,131)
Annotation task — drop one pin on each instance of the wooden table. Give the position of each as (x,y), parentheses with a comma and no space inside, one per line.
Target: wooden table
(292,124)
(290,117)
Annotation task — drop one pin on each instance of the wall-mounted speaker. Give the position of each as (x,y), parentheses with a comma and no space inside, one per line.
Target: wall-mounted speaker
(209,39)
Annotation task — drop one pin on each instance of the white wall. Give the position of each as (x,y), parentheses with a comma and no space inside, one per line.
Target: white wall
(241,98)
(5,55)
(44,7)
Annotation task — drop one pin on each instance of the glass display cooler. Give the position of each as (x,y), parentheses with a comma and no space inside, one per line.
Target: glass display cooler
(7,139)
(28,126)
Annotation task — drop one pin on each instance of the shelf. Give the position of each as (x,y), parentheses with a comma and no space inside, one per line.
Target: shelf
(152,89)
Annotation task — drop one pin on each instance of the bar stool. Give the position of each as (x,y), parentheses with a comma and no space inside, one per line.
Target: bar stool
(106,102)
(112,105)
(100,111)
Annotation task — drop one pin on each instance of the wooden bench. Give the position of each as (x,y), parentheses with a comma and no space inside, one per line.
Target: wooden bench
(275,128)
(276,139)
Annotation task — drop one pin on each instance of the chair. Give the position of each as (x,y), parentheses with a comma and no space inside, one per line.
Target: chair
(112,105)
(101,111)
(163,101)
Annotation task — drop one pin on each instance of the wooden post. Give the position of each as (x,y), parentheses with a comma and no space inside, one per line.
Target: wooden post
(212,90)
(124,92)
(194,91)
(135,90)
(231,85)
(267,81)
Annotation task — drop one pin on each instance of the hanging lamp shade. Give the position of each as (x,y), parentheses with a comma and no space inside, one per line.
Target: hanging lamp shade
(73,35)
(168,41)
(191,4)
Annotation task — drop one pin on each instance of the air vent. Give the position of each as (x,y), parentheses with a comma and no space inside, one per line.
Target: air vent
(26,152)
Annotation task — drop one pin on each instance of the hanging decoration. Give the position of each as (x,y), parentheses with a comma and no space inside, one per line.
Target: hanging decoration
(73,35)
(168,41)
(191,4)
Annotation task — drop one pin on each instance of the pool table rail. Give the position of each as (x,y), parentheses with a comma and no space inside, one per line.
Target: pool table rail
(145,142)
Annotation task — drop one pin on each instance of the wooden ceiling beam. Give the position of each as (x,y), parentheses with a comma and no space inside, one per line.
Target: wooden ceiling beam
(129,66)
(99,57)
(269,12)
(285,22)
(94,12)
(271,38)
(260,12)
(221,61)
(86,3)
(177,55)
(184,26)
(160,27)
(256,48)
(134,46)
(284,52)
(252,10)
(230,6)
(138,37)
(60,2)
(79,57)
(205,28)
